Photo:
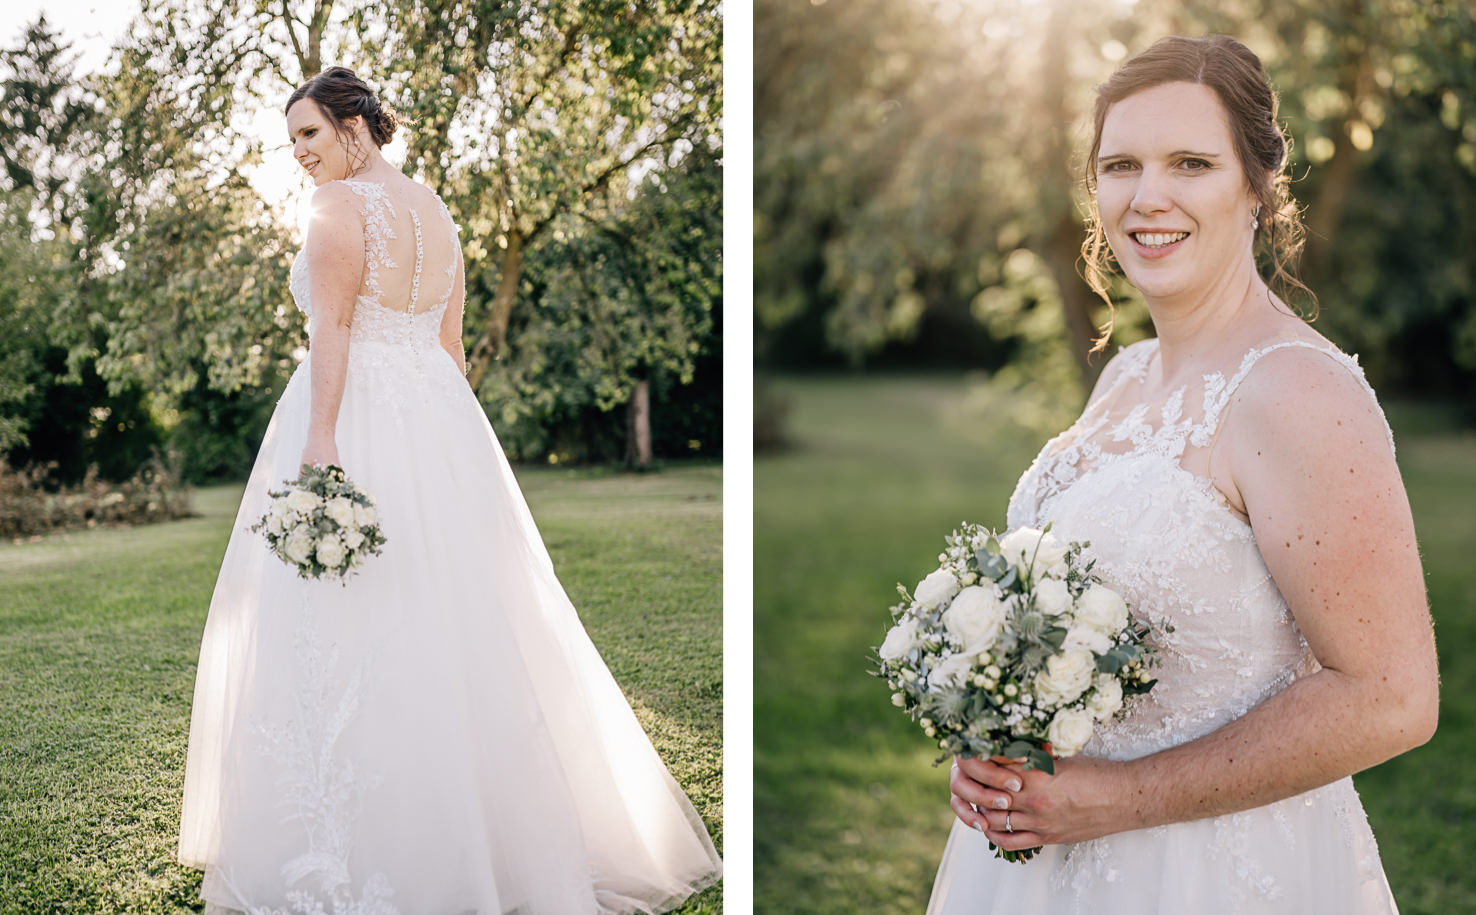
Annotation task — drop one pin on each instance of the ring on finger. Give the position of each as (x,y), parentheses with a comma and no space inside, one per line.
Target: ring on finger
(1008,827)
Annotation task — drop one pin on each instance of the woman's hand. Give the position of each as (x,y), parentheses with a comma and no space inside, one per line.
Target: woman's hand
(319,452)
(1075,804)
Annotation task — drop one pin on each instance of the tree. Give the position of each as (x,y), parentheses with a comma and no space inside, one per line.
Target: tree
(917,168)
(624,304)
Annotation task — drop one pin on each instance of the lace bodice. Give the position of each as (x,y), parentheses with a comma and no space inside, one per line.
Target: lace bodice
(410,312)
(1167,539)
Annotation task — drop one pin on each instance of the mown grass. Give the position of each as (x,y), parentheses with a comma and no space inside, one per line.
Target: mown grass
(849,814)
(100,633)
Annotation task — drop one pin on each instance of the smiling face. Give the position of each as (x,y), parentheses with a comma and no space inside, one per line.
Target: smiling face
(1172,197)
(315,145)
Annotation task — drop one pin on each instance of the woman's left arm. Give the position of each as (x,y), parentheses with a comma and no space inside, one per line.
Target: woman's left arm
(1309,455)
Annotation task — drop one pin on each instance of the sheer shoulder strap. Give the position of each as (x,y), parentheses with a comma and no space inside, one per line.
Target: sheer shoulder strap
(1218,391)
(1130,362)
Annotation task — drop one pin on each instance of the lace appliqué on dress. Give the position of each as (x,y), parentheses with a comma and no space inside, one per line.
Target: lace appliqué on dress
(324,789)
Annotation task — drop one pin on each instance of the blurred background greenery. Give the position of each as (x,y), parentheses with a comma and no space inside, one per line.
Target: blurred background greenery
(143,267)
(921,329)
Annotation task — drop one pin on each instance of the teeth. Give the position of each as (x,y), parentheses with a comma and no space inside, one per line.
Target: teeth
(1159,239)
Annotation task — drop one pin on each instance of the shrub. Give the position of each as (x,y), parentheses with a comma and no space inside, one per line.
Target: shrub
(31,503)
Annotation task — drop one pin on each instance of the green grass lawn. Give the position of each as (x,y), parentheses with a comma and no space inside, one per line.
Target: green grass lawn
(100,633)
(850,816)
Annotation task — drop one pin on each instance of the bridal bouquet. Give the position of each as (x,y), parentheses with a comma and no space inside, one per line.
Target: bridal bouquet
(1012,648)
(321,524)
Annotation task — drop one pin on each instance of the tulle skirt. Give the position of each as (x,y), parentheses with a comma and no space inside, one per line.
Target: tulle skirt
(1311,853)
(438,735)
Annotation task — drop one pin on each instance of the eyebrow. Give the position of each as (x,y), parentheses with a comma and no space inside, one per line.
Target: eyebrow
(1104,157)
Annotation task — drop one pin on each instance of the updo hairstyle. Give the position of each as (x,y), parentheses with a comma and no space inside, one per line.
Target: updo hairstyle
(1235,74)
(343,95)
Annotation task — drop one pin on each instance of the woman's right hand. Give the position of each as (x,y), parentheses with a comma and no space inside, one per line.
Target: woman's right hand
(985,784)
(320,452)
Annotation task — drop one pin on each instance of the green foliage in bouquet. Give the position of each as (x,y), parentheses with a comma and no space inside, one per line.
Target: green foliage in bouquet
(322,524)
(1014,647)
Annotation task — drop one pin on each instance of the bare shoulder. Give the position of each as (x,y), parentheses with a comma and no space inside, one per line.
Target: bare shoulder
(1312,394)
(334,198)
(1305,432)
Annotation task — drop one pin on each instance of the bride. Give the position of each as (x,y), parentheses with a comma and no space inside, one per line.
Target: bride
(1236,480)
(438,735)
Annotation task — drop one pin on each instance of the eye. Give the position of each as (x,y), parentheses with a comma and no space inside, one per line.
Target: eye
(1115,165)
(1195,165)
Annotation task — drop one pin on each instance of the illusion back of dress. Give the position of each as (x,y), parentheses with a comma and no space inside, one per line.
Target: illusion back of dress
(411,259)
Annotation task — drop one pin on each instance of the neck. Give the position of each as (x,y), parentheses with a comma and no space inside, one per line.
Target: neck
(374,167)
(1191,328)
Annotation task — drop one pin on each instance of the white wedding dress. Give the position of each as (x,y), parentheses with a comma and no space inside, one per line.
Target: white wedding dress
(1165,538)
(438,736)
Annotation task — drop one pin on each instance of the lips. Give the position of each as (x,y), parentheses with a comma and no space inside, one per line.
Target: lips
(1156,244)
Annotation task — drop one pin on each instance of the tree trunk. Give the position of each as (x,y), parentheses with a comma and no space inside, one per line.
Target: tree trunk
(638,426)
(1060,242)
(490,344)
(310,52)
(1063,250)
(1356,82)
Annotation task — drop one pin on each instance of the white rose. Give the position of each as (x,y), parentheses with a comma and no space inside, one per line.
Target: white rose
(1107,698)
(279,509)
(1089,639)
(975,618)
(302,501)
(1102,609)
(274,524)
(1052,597)
(330,552)
(298,547)
(341,510)
(1026,544)
(1069,731)
(901,639)
(951,672)
(364,515)
(936,589)
(352,538)
(1066,676)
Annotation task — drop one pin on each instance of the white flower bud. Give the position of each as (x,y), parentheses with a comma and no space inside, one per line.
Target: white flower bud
(899,700)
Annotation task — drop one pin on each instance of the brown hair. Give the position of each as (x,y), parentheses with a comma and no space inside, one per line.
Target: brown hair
(1235,74)
(342,95)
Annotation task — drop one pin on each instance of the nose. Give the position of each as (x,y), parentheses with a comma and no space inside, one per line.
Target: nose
(298,150)
(1151,194)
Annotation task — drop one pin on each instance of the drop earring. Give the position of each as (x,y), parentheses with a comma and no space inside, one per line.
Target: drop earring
(1255,218)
